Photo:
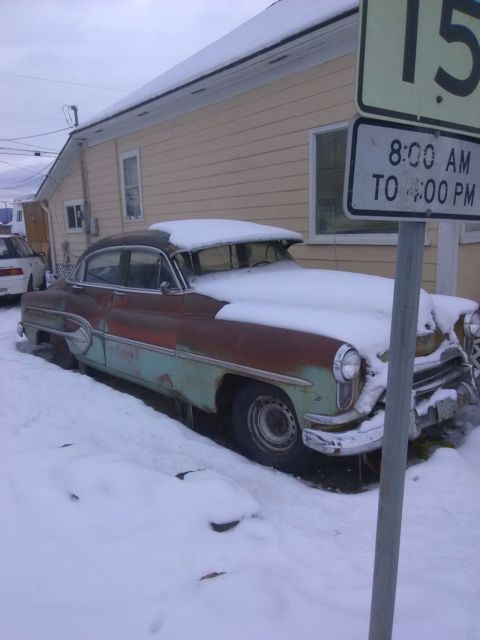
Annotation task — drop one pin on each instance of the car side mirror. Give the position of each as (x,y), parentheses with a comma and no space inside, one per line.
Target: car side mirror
(164,287)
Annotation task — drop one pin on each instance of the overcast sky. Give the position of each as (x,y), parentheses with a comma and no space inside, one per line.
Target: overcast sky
(89,53)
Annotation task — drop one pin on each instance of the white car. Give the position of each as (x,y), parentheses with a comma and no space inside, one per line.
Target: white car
(21,269)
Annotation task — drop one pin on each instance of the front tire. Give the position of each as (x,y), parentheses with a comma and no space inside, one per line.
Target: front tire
(266,428)
(61,354)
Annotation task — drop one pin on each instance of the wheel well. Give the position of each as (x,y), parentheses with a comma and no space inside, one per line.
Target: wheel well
(44,336)
(229,387)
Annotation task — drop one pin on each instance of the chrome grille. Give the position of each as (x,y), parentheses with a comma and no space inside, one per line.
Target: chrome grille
(446,373)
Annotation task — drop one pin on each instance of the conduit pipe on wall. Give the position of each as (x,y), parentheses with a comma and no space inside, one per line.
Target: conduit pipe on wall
(53,255)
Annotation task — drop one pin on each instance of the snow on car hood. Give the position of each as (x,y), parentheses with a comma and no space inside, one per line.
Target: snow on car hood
(350,307)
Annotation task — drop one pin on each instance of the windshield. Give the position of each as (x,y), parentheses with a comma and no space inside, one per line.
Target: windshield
(228,257)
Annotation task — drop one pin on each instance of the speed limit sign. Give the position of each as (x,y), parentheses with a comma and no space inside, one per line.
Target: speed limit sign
(419,60)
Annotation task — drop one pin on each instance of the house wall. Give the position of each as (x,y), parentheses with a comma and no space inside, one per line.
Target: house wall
(68,244)
(246,157)
(469,271)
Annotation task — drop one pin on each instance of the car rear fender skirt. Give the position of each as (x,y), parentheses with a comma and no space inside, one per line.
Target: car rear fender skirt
(79,340)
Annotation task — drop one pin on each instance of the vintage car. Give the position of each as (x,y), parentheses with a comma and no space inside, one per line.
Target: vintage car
(218,315)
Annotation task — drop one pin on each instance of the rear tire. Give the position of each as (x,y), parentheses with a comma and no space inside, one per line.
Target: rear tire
(61,354)
(30,284)
(266,428)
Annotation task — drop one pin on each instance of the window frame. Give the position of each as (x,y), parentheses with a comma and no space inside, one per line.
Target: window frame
(469,237)
(104,285)
(78,274)
(332,238)
(129,250)
(74,203)
(126,155)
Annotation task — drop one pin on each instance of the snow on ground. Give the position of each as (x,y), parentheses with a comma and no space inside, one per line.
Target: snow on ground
(100,539)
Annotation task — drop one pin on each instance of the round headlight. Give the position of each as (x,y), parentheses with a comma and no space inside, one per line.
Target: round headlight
(471,325)
(346,364)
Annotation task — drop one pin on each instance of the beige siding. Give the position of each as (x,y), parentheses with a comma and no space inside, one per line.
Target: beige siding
(469,271)
(68,245)
(247,158)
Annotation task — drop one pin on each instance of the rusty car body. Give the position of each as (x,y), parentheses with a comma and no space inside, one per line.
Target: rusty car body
(135,307)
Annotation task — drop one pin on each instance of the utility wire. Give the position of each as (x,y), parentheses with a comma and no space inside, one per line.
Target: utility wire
(25,181)
(16,166)
(17,151)
(37,135)
(33,146)
(33,154)
(76,84)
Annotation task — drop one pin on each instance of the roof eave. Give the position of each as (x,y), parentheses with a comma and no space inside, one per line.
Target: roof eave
(127,120)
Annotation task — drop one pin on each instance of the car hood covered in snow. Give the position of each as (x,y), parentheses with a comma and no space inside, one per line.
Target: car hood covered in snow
(350,307)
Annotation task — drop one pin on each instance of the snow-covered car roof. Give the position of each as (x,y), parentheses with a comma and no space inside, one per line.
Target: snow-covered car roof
(191,235)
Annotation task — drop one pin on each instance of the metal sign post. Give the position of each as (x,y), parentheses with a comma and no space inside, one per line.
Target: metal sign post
(419,62)
(397,418)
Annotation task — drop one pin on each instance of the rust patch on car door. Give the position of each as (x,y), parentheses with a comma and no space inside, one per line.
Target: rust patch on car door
(141,336)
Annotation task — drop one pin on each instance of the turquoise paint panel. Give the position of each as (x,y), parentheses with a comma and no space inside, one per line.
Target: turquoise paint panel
(141,364)
(96,352)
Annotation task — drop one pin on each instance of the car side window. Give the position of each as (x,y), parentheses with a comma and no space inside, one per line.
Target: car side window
(26,248)
(4,250)
(148,270)
(20,248)
(104,268)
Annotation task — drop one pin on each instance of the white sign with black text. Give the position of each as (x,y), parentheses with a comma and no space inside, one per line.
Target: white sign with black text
(410,173)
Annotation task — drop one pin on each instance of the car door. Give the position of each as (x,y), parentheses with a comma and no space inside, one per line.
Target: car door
(90,295)
(140,338)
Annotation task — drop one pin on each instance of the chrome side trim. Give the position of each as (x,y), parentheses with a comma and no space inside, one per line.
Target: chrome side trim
(269,376)
(85,324)
(139,344)
(70,335)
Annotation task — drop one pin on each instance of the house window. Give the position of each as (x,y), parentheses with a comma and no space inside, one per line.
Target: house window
(131,191)
(328,223)
(470,232)
(19,215)
(74,215)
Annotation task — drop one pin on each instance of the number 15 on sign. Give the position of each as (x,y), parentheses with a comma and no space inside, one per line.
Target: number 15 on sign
(419,61)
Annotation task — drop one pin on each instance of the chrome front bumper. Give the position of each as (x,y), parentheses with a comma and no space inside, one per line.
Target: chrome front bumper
(367,434)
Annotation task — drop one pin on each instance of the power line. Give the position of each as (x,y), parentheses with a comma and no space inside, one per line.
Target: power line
(33,146)
(26,154)
(76,84)
(37,135)
(26,181)
(16,166)
(27,150)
